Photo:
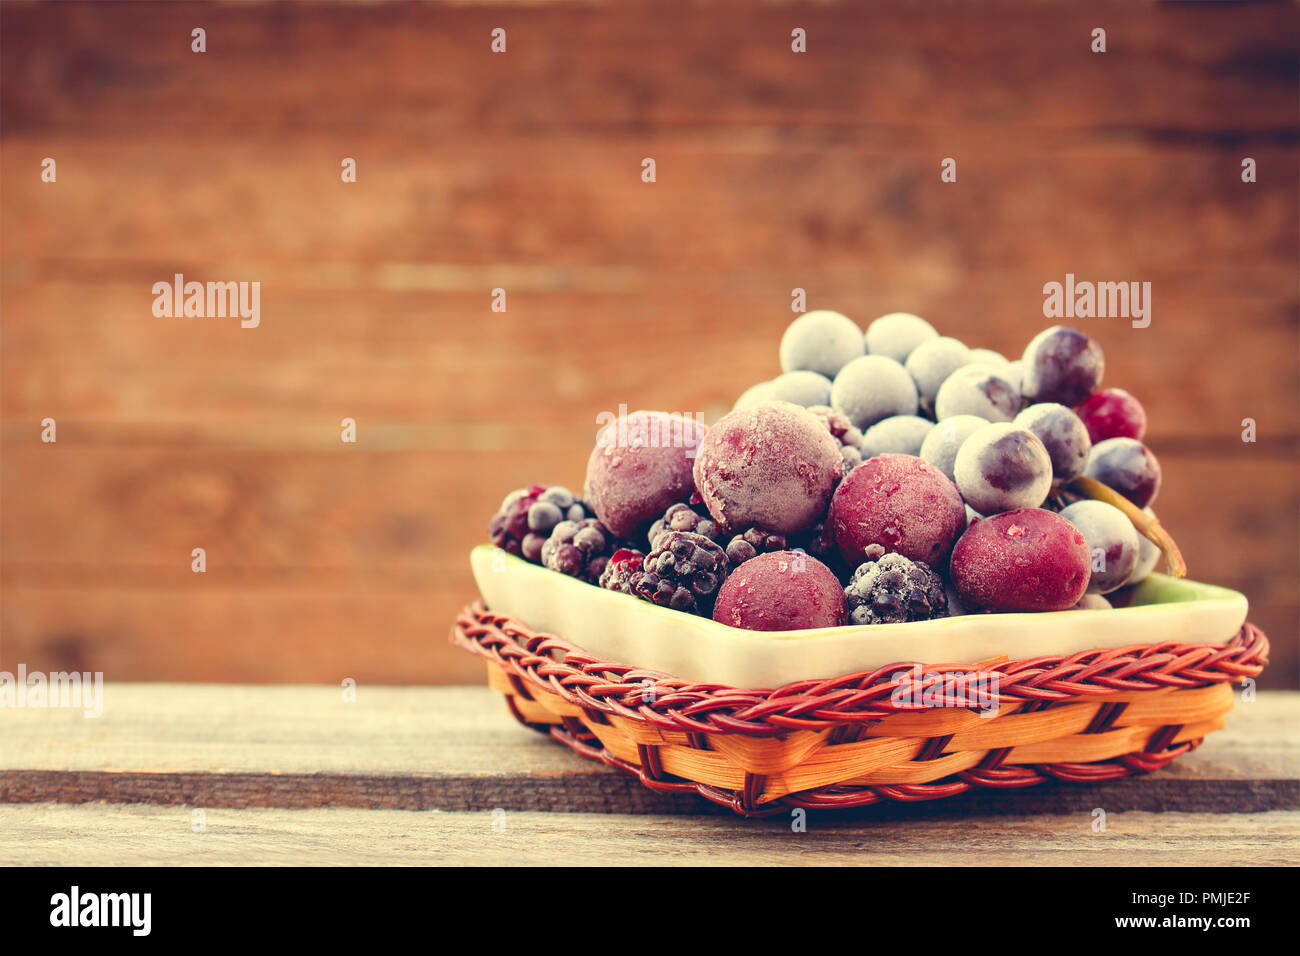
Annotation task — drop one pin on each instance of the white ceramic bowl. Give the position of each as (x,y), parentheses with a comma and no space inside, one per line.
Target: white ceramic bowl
(631,631)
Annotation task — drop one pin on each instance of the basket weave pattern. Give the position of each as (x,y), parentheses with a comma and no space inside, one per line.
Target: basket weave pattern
(862,738)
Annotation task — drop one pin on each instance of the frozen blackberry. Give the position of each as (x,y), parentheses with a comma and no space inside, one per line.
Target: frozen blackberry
(580,549)
(509,526)
(683,571)
(892,589)
(622,571)
(753,542)
(843,431)
(685,517)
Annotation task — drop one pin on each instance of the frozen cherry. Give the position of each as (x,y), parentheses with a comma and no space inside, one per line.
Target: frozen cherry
(773,466)
(1023,560)
(900,502)
(1113,413)
(782,591)
(1062,365)
(641,464)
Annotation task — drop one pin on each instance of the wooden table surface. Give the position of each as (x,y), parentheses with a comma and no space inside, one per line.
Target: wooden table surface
(410,775)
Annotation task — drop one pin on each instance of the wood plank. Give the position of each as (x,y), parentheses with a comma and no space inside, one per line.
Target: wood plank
(1181,69)
(112,835)
(457,749)
(1115,210)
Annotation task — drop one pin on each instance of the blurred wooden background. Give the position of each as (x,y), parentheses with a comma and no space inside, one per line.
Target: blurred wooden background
(522,171)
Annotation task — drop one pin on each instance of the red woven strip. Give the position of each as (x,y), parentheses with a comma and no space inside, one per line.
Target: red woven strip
(671,704)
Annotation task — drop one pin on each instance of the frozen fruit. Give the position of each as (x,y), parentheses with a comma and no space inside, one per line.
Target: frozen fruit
(641,464)
(1148,556)
(754,395)
(1127,466)
(901,503)
(871,388)
(683,571)
(895,335)
(1023,560)
(1112,541)
(944,439)
(932,362)
(753,542)
(982,390)
(1015,374)
(580,549)
(773,466)
(1062,365)
(1113,413)
(891,589)
(1092,602)
(844,432)
(684,517)
(622,571)
(527,516)
(1062,434)
(1002,467)
(801,388)
(899,434)
(988,357)
(820,341)
(782,591)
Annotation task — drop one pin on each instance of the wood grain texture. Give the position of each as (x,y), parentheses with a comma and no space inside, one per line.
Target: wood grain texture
(521,171)
(111,835)
(457,749)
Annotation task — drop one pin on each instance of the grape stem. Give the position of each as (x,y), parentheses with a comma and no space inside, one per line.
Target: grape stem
(1148,526)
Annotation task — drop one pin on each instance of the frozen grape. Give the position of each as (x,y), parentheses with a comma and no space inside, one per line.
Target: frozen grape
(1112,540)
(932,362)
(781,591)
(988,357)
(1002,467)
(1015,373)
(801,388)
(895,335)
(872,388)
(944,439)
(1023,560)
(901,434)
(1062,365)
(773,466)
(981,390)
(821,341)
(1148,556)
(1113,413)
(641,465)
(754,395)
(901,503)
(1127,466)
(1062,434)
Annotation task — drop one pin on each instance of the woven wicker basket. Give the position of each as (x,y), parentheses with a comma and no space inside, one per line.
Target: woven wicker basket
(863,738)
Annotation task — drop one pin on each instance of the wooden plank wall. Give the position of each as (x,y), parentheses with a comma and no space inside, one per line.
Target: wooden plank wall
(522,171)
